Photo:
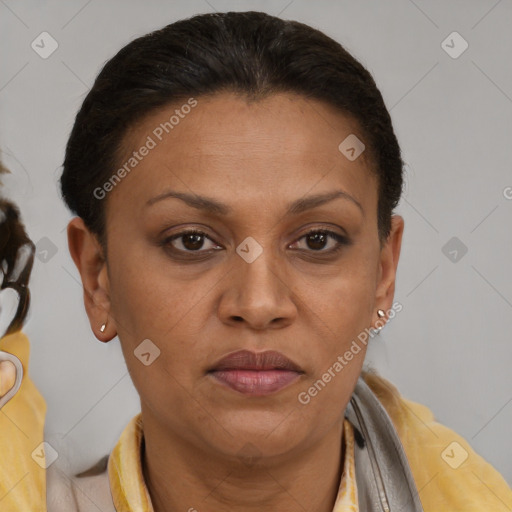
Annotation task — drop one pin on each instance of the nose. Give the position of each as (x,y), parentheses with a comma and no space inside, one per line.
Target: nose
(258,294)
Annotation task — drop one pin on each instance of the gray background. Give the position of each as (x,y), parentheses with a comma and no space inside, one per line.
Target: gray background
(450,347)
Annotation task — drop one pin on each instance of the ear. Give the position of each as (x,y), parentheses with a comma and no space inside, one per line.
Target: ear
(389,255)
(90,261)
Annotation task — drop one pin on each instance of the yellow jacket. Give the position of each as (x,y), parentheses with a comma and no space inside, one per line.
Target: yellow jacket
(22,457)
(449,475)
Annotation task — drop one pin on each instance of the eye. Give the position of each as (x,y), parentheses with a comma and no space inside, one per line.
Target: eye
(189,241)
(193,241)
(318,239)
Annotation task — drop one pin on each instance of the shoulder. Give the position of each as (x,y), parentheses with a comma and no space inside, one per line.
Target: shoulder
(84,492)
(22,481)
(448,473)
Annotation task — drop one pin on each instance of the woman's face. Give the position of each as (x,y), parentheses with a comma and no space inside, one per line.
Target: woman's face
(255,280)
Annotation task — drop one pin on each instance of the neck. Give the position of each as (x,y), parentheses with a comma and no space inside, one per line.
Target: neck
(179,477)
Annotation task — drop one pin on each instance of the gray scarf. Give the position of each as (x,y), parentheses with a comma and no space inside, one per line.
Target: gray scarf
(384,479)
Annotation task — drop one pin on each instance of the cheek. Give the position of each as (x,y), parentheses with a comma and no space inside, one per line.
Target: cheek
(342,303)
(159,320)
(341,313)
(147,300)
(337,361)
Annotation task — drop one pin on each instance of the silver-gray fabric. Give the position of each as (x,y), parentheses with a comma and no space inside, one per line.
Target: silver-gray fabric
(384,479)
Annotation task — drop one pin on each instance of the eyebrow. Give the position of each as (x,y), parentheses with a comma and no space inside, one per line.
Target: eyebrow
(213,206)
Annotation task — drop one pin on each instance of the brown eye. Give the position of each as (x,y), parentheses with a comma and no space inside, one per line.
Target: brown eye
(189,241)
(318,240)
(192,241)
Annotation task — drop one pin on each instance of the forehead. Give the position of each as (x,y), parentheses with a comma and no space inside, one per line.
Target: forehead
(287,121)
(282,143)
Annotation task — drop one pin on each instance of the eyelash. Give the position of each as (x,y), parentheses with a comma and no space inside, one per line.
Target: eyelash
(340,239)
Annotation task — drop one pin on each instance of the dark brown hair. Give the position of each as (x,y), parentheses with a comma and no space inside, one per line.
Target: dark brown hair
(251,53)
(16,258)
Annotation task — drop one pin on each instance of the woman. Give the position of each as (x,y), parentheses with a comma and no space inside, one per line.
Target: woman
(234,177)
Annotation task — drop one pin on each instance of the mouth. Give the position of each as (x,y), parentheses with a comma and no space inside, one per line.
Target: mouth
(255,374)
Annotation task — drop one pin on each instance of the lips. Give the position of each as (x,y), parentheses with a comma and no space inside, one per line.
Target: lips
(247,360)
(255,374)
